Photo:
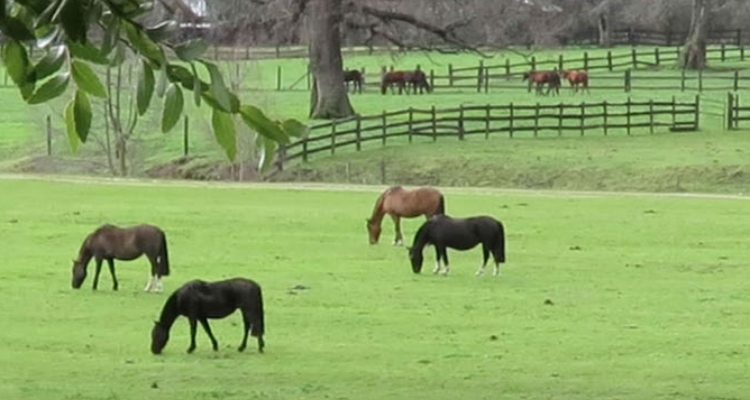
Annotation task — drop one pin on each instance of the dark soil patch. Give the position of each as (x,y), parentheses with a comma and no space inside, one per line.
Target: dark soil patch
(203,169)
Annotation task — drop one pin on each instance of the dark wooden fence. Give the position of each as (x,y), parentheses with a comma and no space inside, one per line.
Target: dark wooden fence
(512,119)
(736,112)
(640,36)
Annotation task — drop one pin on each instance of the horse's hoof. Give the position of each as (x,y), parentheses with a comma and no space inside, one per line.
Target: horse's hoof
(241,349)
(190,350)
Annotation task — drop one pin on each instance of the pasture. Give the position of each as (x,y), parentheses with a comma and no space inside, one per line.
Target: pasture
(648,297)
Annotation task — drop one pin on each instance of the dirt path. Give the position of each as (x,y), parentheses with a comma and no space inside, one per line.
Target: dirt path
(345,187)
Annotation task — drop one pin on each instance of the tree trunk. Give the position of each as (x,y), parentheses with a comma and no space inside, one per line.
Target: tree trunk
(694,52)
(329,99)
(605,26)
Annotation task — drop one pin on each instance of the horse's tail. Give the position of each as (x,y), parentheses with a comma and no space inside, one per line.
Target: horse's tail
(258,327)
(441,206)
(164,257)
(500,243)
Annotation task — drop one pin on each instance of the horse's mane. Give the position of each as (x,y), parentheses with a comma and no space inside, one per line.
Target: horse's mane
(170,311)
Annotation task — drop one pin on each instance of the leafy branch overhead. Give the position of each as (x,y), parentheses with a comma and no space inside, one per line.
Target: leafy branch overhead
(63,30)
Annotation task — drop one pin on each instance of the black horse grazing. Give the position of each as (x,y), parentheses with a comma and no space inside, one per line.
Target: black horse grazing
(353,75)
(110,242)
(443,231)
(199,300)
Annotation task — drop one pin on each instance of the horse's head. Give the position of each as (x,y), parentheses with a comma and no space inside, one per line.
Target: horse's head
(373,229)
(416,259)
(159,338)
(79,274)
(526,75)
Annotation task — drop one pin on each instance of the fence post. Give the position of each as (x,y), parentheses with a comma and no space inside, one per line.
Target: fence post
(185,135)
(278,78)
(627,116)
(604,112)
(634,56)
(723,52)
(432,79)
(656,56)
(651,116)
(682,81)
(333,136)
(586,60)
(510,122)
(409,126)
(560,63)
(627,81)
(358,132)
(730,99)
(533,63)
(304,150)
(49,135)
(742,53)
(609,60)
(583,117)
(674,111)
(461,122)
(281,156)
(697,115)
(700,80)
(480,71)
(384,127)
(434,124)
(487,122)
(450,75)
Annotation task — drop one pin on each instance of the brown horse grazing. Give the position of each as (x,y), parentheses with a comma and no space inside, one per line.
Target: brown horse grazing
(353,75)
(577,78)
(552,78)
(391,78)
(399,202)
(417,80)
(109,242)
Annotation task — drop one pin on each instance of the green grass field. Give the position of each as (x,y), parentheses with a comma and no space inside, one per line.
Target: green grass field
(649,297)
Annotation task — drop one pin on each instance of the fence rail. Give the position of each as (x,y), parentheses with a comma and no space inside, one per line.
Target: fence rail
(512,119)
(736,112)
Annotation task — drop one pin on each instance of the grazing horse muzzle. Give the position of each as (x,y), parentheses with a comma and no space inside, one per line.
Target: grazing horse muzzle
(79,275)
(416,260)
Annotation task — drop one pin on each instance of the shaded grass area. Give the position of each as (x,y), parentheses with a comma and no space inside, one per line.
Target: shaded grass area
(645,292)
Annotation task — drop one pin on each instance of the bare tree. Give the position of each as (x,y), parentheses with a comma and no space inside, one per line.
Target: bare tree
(694,52)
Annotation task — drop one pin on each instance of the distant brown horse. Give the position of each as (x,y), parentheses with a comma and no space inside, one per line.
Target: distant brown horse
(110,242)
(399,202)
(539,78)
(577,78)
(417,80)
(391,78)
(355,76)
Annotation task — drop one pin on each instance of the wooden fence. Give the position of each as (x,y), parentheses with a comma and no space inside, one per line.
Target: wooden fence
(513,120)
(483,77)
(736,112)
(640,36)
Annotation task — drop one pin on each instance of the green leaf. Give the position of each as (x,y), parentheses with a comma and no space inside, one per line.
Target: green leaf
(82,115)
(86,79)
(223,126)
(144,45)
(294,128)
(145,87)
(191,50)
(87,52)
(197,87)
(54,87)
(173,104)
(27,89)
(161,83)
(46,16)
(257,121)
(16,62)
(219,90)
(72,17)
(50,63)
(16,29)
(209,98)
(48,38)
(163,31)
(70,125)
(266,152)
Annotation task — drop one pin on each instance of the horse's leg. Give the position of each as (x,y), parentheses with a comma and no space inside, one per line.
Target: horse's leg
(247,320)
(214,343)
(444,253)
(193,326)
(437,261)
(399,240)
(97,271)
(154,281)
(486,256)
(111,263)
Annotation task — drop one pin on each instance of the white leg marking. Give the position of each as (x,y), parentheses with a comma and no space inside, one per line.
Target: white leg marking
(447,269)
(480,271)
(437,267)
(149,284)
(497,270)
(159,286)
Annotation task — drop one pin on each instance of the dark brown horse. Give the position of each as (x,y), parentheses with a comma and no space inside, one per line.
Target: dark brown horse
(539,78)
(392,78)
(200,301)
(417,80)
(355,76)
(577,78)
(109,242)
(399,202)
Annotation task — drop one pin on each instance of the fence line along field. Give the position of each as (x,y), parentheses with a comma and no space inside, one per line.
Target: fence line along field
(647,289)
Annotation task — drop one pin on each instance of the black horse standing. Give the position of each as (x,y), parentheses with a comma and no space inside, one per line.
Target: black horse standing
(199,300)
(110,242)
(354,76)
(443,232)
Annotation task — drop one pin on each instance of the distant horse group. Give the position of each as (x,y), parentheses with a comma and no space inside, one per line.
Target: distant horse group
(405,81)
(439,229)
(576,78)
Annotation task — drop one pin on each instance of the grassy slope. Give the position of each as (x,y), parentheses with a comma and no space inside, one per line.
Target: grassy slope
(649,299)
